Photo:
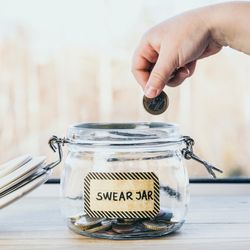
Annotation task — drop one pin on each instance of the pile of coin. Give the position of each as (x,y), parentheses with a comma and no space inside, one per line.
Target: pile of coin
(121,228)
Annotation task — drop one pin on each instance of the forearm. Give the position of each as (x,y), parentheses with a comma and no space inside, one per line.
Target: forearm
(176,44)
(229,25)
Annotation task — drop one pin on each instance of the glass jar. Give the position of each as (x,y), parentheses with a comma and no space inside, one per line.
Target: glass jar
(125,181)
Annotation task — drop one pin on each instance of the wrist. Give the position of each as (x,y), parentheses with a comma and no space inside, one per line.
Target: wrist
(216,15)
(212,17)
(224,21)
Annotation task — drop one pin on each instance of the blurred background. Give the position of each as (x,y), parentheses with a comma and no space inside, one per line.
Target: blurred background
(68,61)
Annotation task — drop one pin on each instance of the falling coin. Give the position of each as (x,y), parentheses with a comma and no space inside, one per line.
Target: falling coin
(157,105)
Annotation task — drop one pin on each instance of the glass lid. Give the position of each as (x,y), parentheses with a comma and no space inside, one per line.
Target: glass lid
(20,176)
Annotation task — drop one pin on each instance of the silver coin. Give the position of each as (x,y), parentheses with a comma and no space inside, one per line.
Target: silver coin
(87,222)
(105,225)
(157,225)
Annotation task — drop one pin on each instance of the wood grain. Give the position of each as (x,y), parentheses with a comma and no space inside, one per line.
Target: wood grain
(213,222)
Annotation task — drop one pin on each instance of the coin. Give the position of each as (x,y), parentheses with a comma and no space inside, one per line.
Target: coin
(164,214)
(105,225)
(110,232)
(122,229)
(122,221)
(157,105)
(157,225)
(87,222)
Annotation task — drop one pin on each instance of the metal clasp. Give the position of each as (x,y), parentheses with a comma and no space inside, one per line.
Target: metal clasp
(188,154)
(56,145)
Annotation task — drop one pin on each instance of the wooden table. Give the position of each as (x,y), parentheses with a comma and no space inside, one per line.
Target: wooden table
(218,218)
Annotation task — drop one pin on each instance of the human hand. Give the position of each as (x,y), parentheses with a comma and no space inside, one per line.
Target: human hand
(168,52)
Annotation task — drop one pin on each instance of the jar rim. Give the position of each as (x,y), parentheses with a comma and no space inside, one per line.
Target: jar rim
(123,134)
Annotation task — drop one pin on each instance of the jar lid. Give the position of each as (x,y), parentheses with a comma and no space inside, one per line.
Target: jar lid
(20,176)
(123,134)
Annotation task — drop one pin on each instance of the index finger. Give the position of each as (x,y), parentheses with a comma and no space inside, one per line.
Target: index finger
(143,61)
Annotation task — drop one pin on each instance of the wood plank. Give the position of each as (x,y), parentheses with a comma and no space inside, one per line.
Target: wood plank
(217,222)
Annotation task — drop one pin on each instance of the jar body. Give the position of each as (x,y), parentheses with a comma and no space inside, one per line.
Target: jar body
(164,163)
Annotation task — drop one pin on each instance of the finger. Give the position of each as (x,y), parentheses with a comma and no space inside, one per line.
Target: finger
(161,72)
(181,74)
(211,49)
(143,61)
(179,77)
(141,73)
(142,78)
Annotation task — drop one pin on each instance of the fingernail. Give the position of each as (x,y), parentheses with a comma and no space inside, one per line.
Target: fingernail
(151,92)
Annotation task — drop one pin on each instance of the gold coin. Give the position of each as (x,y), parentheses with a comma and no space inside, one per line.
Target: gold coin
(157,105)
(105,225)
(87,222)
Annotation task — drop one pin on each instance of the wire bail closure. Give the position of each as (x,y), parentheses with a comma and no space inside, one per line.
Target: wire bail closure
(188,154)
(56,145)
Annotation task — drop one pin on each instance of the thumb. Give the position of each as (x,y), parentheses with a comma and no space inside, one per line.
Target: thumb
(159,76)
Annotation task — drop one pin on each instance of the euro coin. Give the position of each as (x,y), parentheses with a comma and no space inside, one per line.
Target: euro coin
(157,105)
